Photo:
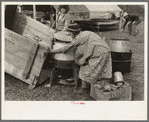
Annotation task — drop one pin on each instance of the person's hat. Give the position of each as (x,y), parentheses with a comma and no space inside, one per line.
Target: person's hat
(118,78)
(125,14)
(73,27)
(63,36)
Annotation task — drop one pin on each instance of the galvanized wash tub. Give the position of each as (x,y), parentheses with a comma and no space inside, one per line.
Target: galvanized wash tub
(120,45)
(61,39)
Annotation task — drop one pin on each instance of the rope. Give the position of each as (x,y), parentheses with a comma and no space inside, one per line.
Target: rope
(90,25)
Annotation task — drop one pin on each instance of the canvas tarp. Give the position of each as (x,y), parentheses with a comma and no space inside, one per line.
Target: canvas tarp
(97,11)
(92,11)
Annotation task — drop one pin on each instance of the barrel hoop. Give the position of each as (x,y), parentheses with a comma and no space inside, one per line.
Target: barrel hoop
(121,39)
(121,61)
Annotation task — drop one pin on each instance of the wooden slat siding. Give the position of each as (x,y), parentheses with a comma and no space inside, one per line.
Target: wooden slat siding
(21,51)
(16,61)
(33,23)
(30,60)
(24,54)
(13,70)
(30,32)
(16,50)
(21,63)
(29,27)
(18,40)
(15,47)
(39,60)
(16,72)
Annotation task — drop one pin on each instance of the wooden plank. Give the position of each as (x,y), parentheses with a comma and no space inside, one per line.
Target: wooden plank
(30,61)
(39,60)
(15,39)
(21,21)
(30,32)
(16,72)
(21,63)
(24,54)
(16,61)
(16,50)
(13,70)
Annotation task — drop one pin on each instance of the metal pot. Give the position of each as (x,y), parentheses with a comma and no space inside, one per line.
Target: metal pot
(120,45)
(68,56)
(61,39)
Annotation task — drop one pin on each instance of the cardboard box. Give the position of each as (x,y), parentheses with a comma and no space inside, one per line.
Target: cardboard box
(122,94)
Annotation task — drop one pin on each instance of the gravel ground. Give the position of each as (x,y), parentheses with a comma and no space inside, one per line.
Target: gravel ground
(16,90)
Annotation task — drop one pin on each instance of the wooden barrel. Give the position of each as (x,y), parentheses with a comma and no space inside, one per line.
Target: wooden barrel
(119,45)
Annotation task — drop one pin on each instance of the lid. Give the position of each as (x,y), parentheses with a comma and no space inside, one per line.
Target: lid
(63,36)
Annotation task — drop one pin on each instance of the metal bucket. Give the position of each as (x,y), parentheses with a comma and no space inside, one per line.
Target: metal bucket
(120,45)
(68,56)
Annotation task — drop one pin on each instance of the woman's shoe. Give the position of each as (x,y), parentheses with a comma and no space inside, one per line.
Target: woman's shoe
(47,85)
(64,82)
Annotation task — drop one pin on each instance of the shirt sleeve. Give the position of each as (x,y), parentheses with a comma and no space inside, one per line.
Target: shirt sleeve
(75,42)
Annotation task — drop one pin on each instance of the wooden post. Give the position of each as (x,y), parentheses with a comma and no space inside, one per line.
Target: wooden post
(10,11)
(120,23)
(19,8)
(34,11)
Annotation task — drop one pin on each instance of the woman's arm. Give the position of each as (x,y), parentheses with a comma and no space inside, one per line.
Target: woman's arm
(76,42)
(67,22)
(61,50)
(125,23)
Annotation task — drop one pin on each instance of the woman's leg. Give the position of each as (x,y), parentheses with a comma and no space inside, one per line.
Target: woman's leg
(134,25)
(83,89)
(85,85)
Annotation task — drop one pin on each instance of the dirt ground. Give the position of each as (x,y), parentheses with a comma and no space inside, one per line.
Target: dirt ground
(16,90)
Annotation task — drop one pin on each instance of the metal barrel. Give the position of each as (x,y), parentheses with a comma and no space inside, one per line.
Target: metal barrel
(121,55)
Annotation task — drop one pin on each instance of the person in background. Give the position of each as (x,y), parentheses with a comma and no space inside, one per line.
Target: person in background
(92,55)
(131,21)
(62,18)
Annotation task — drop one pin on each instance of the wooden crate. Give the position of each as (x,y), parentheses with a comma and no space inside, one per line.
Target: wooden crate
(26,47)
(123,94)
(24,58)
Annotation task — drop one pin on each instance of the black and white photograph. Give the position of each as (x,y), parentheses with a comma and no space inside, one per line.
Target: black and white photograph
(81,56)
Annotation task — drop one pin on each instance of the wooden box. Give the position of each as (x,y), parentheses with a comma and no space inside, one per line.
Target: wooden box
(26,48)
(123,94)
